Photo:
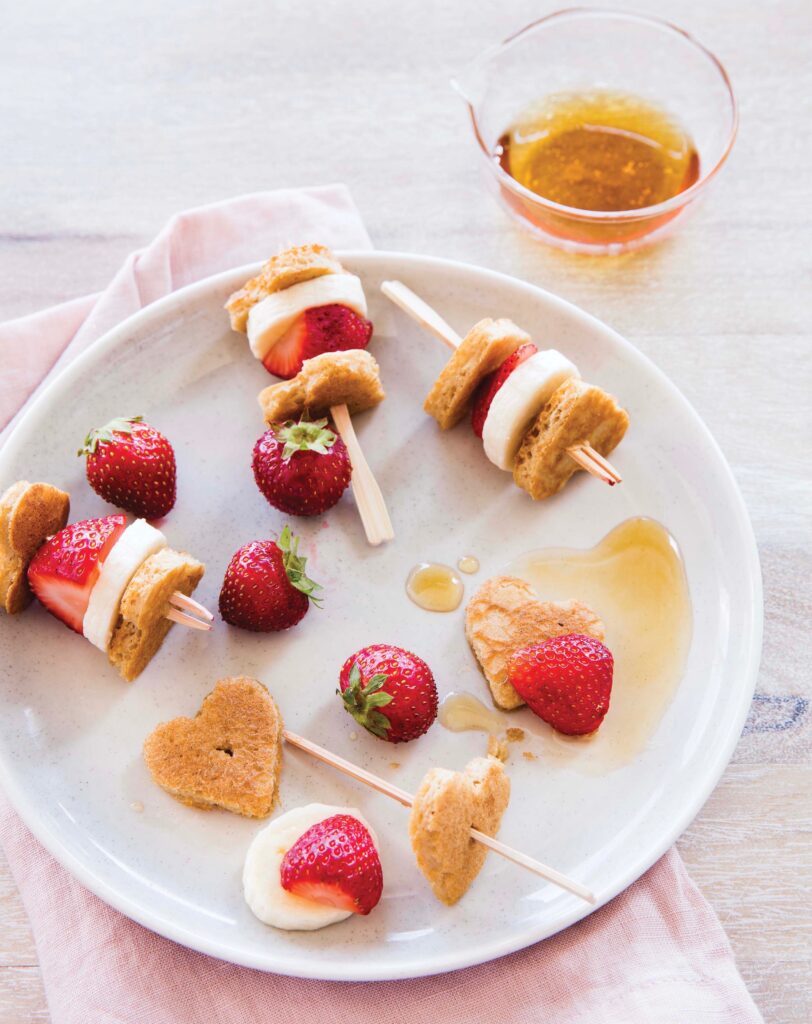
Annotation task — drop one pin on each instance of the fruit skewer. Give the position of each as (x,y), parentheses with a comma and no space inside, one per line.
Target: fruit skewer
(428,318)
(406,800)
(120,586)
(303,306)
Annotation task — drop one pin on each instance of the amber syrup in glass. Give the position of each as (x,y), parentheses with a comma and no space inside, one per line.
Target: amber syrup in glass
(599,150)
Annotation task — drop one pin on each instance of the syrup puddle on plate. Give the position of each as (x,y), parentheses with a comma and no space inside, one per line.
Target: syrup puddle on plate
(634,579)
(463,712)
(434,587)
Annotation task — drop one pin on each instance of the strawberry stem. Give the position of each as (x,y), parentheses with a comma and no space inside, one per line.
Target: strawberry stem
(121,425)
(305,436)
(295,564)
(363,702)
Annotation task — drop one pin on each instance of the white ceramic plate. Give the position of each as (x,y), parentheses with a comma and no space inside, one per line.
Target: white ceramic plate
(71,730)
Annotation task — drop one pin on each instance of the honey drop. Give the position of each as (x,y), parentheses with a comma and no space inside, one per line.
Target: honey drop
(434,587)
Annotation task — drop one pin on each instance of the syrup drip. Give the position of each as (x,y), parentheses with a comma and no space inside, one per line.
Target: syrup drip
(463,712)
(434,587)
(468,564)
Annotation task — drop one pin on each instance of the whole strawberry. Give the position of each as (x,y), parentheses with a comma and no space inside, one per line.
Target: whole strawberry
(382,676)
(131,465)
(335,863)
(265,587)
(566,680)
(302,468)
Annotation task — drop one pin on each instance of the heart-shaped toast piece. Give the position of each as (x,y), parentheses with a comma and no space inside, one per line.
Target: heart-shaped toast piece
(229,755)
(446,807)
(505,615)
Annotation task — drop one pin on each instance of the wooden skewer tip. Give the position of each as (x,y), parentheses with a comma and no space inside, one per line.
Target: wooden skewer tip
(183,601)
(186,620)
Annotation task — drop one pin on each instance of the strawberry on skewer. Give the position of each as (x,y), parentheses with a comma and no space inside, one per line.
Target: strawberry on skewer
(333,328)
(64,571)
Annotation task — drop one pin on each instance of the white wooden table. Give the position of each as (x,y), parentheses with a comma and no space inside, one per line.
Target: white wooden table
(115,115)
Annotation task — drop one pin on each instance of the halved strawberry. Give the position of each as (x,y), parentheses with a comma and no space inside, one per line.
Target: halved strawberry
(335,863)
(488,386)
(332,328)
(64,570)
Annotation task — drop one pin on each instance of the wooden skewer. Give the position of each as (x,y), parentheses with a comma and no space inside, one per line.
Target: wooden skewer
(593,462)
(368,496)
(184,602)
(603,463)
(420,311)
(186,620)
(402,797)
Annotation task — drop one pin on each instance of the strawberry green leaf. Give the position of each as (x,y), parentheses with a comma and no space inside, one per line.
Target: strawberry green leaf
(305,436)
(375,683)
(362,702)
(377,723)
(355,675)
(379,700)
(122,425)
(295,564)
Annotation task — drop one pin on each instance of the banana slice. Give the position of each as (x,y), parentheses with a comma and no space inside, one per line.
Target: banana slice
(127,555)
(519,401)
(262,883)
(269,319)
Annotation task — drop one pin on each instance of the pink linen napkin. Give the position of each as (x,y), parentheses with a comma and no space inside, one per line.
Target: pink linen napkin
(655,955)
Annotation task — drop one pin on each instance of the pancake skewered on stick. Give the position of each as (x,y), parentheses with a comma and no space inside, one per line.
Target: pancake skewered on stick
(535,416)
(305,319)
(118,585)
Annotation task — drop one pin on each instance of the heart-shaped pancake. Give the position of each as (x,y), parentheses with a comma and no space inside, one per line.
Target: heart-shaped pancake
(229,755)
(505,615)
(446,806)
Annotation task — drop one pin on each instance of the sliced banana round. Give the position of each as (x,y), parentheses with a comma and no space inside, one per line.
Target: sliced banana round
(519,401)
(262,882)
(128,554)
(269,319)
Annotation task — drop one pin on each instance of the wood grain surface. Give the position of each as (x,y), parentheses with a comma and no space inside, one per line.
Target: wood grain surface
(114,115)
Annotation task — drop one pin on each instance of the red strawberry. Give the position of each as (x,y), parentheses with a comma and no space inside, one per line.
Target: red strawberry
(64,570)
(302,468)
(131,465)
(335,863)
(265,587)
(566,680)
(488,386)
(320,329)
(385,676)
